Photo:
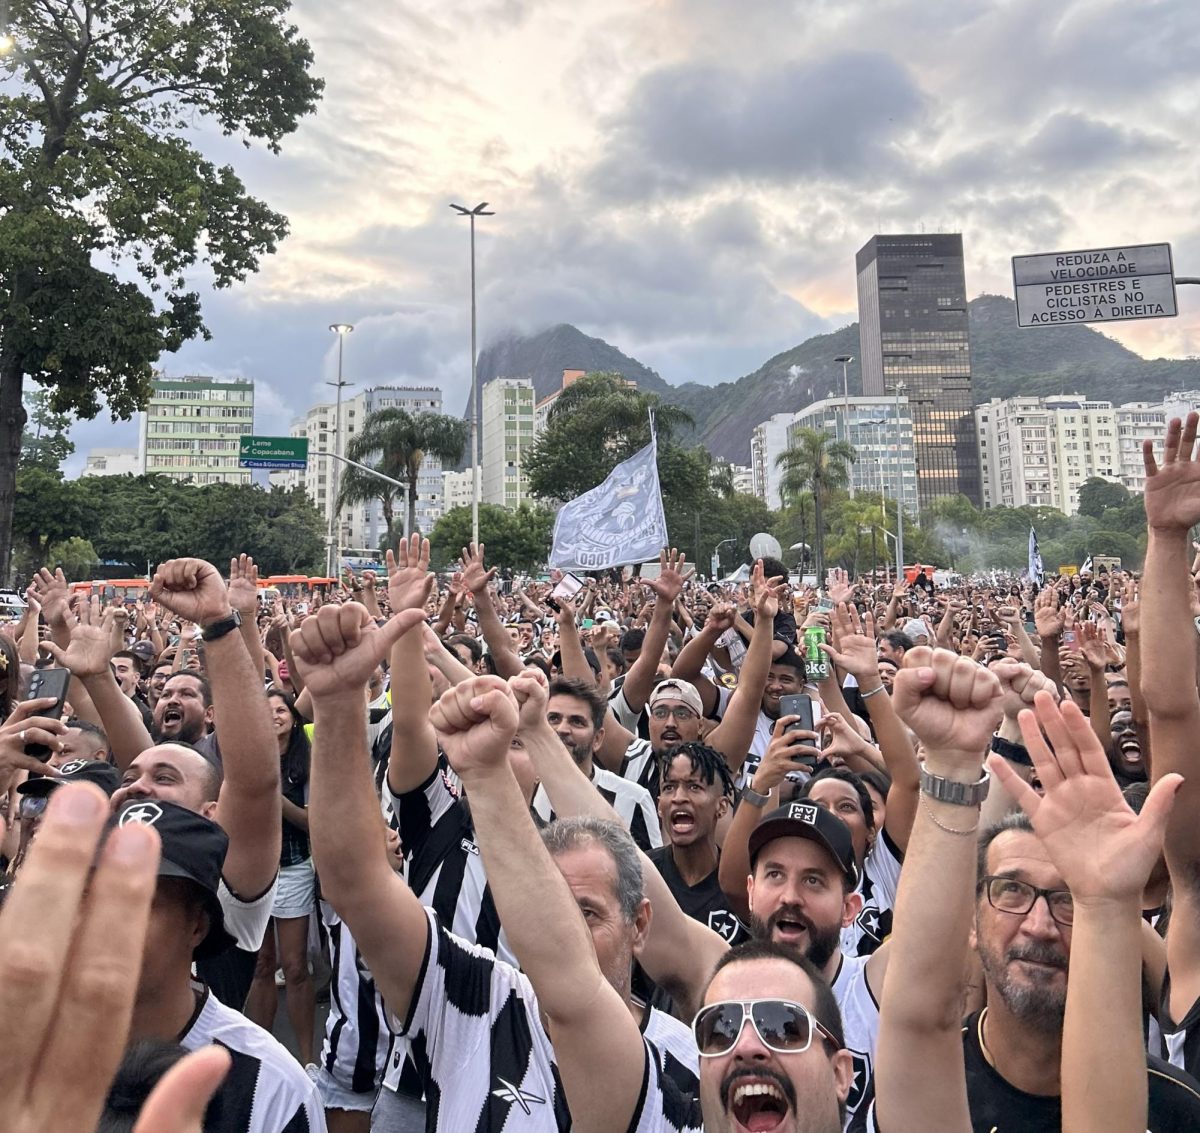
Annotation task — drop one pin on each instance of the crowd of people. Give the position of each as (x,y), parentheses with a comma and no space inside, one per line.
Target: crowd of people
(655,855)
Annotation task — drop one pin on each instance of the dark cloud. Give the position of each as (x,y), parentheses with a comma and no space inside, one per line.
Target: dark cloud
(688,125)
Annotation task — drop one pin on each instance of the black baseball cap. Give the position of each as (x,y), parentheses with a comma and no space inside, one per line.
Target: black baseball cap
(807,820)
(192,848)
(97,771)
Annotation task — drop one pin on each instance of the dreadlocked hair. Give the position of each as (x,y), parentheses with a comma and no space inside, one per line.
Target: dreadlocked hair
(706,762)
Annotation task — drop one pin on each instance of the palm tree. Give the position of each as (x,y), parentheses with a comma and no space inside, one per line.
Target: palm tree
(818,464)
(396,443)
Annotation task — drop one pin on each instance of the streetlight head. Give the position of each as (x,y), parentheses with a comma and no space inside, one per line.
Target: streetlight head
(844,358)
(340,328)
(460,210)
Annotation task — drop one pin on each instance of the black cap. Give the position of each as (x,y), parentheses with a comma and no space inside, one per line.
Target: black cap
(807,820)
(192,848)
(97,771)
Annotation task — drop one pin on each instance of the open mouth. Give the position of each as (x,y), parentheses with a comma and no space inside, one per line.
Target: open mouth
(172,716)
(670,736)
(788,930)
(1131,749)
(682,822)
(758,1106)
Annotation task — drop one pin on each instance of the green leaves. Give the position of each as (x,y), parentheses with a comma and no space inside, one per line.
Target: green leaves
(517,540)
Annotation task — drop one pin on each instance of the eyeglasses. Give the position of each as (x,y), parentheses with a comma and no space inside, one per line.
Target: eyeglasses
(784,1027)
(32,806)
(1017,897)
(681,712)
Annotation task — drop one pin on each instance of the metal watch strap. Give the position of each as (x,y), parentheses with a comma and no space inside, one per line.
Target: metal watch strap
(219,629)
(754,798)
(953,792)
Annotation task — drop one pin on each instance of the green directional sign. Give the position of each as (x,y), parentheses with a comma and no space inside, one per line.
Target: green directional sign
(273,452)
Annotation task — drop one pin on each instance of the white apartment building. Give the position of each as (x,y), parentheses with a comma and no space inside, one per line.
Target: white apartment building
(192,429)
(881,432)
(743,479)
(111,462)
(456,489)
(506,427)
(1139,421)
(1039,451)
(768,440)
(362,526)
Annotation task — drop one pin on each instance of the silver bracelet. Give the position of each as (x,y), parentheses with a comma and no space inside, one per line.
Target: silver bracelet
(873,692)
(941,825)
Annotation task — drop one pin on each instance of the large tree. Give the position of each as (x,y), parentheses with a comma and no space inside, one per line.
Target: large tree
(107,207)
(818,464)
(516,540)
(396,443)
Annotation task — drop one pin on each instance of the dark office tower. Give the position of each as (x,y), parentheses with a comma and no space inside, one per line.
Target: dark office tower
(912,325)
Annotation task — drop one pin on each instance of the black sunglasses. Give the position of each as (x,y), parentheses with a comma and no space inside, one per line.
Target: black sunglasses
(783,1026)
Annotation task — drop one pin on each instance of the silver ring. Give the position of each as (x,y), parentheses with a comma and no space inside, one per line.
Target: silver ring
(22,736)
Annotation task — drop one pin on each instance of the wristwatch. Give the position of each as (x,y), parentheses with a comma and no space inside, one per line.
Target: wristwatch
(754,798)
(953,792)
(1013,752)
(218,629)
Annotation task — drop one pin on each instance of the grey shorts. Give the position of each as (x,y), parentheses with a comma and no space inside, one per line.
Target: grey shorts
(335,1096)
(295,892)
(397,1113)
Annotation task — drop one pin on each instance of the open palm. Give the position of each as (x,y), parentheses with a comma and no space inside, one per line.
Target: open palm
(1172,495)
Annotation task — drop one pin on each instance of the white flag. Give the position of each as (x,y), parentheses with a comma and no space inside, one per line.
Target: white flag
(621,521)
(1037,572)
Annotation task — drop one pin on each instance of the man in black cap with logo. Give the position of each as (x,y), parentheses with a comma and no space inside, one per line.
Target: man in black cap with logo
(266,1091)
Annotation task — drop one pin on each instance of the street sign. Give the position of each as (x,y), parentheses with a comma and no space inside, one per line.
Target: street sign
(1103,285)
(273,452)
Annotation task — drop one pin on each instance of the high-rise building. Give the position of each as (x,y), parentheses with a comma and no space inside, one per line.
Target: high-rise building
(507,419)
(912,313)
(767,442)
(881,433)
(456,489)
(362,525)
(541,413)
(192,427)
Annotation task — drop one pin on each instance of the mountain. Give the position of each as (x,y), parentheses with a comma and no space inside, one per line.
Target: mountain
(1006,360)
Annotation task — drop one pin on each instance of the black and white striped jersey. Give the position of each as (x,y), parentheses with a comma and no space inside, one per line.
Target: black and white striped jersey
(633,804)
(485,1062)
(860,1025)
(880,877)
(266,1090)
(357,1038)
(640,766)
(1181,1040)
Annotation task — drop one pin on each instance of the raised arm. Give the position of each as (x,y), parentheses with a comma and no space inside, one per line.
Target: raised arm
(414,750)
(953,705)
(1169,684)
(477,578)
(856,653)
(597,1045)
(1048,619)
(337,649)
(680,952)
(249,806)
(88,655)
(734,734)
(639,681)
(690,662)
(570,645)
(243,597)
(1105,854)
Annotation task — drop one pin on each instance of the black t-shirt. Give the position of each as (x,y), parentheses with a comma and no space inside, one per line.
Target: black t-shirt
(998,1107)
(784,626)
(703,902)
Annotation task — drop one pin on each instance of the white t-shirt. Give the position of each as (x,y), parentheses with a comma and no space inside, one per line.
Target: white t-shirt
(246,921)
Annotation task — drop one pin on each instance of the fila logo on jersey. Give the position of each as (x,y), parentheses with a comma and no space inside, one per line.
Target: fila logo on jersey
(510,1093)
(149,813)
(803,812)
(723,923)
(469,846)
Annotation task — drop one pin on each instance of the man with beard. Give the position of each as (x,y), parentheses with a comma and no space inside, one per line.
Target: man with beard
(576,712)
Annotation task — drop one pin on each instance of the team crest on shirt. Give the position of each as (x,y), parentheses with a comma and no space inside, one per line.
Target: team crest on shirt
(803,812)
(858,1084)
(73,766)
(723,923)
(149,813)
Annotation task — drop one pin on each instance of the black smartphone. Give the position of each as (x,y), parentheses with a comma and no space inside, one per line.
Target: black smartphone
(43,683)
(798,704)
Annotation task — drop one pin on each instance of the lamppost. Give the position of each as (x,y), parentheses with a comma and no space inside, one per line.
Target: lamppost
(899,490)
(480,209)
(716,557)
(334,560)
(845,360)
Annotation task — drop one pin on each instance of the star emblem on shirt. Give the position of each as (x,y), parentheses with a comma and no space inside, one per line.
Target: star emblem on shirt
(149,813)
(510,1093)
(868,921)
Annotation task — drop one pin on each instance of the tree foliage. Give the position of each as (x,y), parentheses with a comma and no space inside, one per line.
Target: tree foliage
(819,465)
(515,540)
(45,441)
(142,520)
(1097,495)
(396,443)
(108,207)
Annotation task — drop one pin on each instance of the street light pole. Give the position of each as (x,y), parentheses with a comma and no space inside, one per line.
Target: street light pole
(480,209)
(845,360)
(899,490)
(334,555)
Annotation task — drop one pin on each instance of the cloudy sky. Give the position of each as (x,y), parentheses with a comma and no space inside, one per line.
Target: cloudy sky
(690,179)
